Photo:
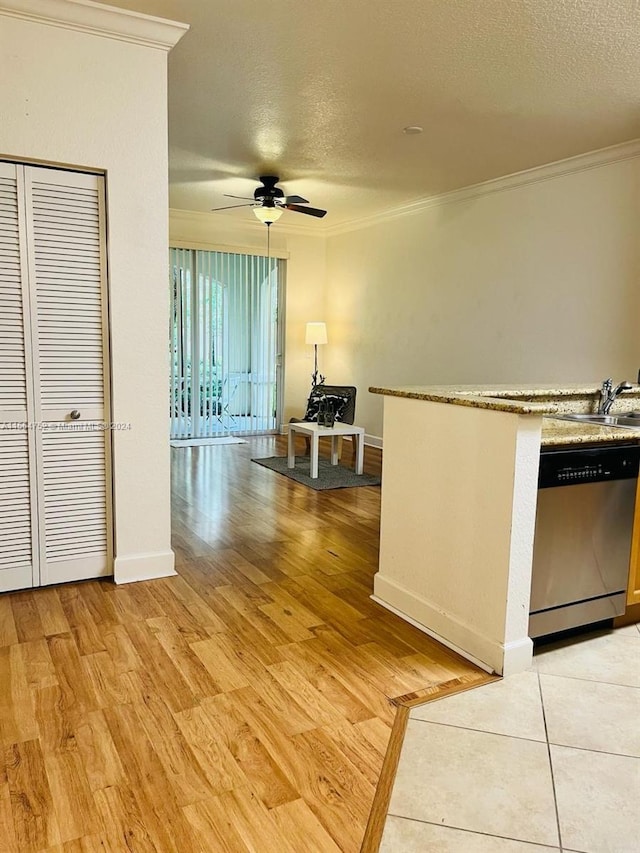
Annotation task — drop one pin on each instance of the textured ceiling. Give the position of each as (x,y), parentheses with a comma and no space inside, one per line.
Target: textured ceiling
(318,91)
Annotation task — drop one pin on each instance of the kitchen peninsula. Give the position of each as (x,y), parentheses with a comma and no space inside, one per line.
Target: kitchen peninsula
(459,494)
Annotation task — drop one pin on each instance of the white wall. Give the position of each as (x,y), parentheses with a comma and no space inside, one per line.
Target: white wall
(459,488)
(305,286)
(74,98)
(538,283)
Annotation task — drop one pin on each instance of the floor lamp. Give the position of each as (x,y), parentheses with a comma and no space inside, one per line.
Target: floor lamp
(316,333)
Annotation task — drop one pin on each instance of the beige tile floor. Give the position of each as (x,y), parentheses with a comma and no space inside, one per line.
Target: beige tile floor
(541,761)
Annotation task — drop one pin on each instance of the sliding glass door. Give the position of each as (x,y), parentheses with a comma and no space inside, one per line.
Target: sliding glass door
(225,343)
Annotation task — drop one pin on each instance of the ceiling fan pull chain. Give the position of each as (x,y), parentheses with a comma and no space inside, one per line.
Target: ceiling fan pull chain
(268,224)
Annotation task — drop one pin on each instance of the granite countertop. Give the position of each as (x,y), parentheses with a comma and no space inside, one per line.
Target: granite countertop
(546,400)
(559,432)
(502,398)
(477,398)
(522,400)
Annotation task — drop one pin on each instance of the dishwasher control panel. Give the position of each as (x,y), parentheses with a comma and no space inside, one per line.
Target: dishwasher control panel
(576,466)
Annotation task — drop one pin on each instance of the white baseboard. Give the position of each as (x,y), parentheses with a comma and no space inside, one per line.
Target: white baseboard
(518,656)
(144,567)
(432,634)
(485,652)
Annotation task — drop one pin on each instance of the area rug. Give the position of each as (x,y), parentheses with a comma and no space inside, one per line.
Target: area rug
(201,442)
(329,476)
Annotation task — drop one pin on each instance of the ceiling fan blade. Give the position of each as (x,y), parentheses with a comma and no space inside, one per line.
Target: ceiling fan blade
(310,211)
(243,197)
(231,207)
(296,199)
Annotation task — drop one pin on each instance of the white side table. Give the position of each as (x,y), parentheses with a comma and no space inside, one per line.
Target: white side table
(315,431)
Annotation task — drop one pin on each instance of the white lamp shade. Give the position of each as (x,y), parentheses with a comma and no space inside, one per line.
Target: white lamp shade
(267,214)
(316,333)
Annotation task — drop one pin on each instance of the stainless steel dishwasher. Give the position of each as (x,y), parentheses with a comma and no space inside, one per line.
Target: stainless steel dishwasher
(582,543)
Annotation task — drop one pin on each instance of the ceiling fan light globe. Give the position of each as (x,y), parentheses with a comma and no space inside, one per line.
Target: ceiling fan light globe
(267,215)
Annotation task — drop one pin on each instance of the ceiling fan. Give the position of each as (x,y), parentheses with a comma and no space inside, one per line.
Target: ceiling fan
(269,202)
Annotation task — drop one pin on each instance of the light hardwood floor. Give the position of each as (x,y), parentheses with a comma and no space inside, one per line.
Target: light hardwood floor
(245,705)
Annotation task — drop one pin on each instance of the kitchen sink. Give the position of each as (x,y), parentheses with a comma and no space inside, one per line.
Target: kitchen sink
(628,419)
(591,418)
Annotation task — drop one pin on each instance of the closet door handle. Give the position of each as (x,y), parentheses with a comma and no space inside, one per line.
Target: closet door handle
(74,415)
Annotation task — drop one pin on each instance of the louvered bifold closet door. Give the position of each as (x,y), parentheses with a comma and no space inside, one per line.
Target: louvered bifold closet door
(18,529)
(65,218)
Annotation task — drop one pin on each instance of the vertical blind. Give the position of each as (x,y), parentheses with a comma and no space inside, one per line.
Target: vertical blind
(224,343)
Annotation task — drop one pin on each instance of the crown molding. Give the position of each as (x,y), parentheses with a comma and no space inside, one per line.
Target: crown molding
(95,19)
(547,172)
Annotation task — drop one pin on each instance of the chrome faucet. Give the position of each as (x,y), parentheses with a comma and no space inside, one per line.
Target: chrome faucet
(608,395)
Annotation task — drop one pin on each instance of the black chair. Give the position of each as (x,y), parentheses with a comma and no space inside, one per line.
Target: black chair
(333,393)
